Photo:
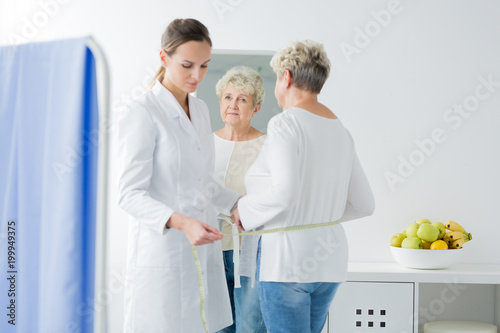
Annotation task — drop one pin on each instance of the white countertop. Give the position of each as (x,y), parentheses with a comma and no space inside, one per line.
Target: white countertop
(393,272)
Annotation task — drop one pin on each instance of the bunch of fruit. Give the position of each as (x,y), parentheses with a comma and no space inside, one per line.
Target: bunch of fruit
(423,234)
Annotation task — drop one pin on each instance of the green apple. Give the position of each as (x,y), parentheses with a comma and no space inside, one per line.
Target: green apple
(412,243)
(441,228)
(422,221)
(397,239)
(428,232)
(411,230)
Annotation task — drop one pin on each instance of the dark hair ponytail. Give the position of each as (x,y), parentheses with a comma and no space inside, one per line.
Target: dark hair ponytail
(178,32)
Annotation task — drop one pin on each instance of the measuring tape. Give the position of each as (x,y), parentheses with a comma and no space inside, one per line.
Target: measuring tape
(236,246)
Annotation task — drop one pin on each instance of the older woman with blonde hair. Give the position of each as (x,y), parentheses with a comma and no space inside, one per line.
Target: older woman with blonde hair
(237,144)
(308,177)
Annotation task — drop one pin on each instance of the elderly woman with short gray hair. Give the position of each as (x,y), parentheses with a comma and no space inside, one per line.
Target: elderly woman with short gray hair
(306,174)
(237,144)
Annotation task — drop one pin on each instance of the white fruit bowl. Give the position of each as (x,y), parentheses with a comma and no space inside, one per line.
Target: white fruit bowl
(425,259)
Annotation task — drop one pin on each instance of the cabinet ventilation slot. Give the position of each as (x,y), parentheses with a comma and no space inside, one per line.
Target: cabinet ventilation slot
(371,322)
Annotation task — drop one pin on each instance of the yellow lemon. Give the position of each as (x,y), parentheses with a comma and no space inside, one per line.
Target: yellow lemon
(439,245)
(426,244)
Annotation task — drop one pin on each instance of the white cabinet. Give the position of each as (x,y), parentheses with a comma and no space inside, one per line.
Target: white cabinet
(385,297)
(383,307)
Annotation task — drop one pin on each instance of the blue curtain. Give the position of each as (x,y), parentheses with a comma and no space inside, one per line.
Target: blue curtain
(48,174)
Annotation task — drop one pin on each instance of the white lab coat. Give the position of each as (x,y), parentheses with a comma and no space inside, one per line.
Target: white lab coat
(166,165)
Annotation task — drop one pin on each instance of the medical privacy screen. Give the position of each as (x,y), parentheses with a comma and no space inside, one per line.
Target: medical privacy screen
(48,173)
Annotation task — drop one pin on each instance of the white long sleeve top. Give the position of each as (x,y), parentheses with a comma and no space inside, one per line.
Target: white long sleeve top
(307,173)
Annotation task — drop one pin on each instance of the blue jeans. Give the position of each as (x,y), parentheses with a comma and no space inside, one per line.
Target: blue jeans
(244,302)
(290,307)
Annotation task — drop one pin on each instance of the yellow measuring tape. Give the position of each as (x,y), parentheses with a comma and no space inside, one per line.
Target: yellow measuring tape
(250,233)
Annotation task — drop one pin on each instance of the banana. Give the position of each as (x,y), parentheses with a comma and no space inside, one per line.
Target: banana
(454,226)
(448,239)
(454,235)
(447,235)
(457,244)
(449,242)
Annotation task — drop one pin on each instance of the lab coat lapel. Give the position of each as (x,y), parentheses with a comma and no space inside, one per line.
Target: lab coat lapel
(173,109)
(197,122)
(189,126)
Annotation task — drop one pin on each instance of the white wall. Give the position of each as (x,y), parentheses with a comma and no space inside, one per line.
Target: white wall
(395,88)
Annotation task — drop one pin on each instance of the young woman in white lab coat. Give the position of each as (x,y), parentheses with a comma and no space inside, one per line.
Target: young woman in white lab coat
(166,156)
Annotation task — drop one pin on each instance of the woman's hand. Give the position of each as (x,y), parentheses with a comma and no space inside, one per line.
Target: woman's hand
(236,219)
(197,232)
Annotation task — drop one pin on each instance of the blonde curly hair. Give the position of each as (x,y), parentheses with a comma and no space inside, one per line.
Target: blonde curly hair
(245,79)
(307,63)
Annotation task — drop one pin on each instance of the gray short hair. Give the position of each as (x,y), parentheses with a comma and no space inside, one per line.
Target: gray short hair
(245,79)
(307,63)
